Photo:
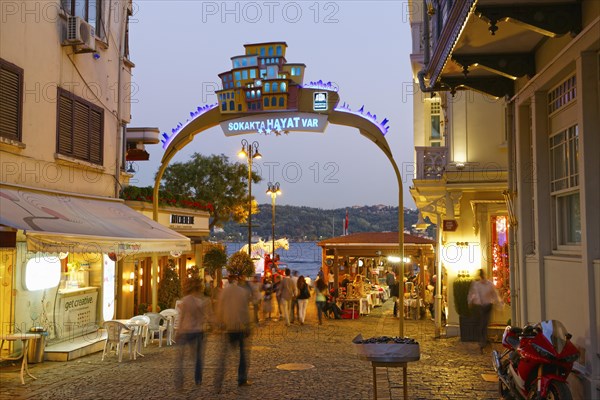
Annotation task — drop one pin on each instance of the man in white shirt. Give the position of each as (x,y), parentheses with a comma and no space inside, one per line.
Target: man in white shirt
(482,296)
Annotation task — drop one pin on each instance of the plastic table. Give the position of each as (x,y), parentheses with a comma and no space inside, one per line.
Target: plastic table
(24,338)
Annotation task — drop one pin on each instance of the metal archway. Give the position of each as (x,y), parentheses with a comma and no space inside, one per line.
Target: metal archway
(364,122)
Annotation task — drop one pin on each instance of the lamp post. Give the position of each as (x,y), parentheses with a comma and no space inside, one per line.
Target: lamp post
(250,152)
(274,191)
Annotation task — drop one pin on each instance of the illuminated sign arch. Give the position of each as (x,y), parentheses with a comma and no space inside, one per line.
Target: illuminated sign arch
(316,101)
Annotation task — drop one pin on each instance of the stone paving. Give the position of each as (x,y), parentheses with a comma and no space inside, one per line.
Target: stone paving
(448,369)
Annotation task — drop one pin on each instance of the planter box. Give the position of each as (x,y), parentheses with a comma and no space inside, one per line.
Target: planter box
(386,352)
(468,328)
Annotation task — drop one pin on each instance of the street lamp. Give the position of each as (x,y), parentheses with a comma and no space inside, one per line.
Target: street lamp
(250,151)
(274,191)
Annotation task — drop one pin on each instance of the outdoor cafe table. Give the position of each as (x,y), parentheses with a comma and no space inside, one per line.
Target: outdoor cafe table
(24,338)
(132,325)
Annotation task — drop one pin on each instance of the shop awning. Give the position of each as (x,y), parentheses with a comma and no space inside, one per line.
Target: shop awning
(61,222)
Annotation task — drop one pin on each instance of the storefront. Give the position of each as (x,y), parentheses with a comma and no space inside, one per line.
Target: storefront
(62,258)
(372,254)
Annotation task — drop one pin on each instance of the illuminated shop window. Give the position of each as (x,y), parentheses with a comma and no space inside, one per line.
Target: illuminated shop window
(500,263)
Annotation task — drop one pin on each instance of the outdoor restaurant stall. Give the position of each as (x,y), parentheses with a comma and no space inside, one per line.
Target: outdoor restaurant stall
(359,263)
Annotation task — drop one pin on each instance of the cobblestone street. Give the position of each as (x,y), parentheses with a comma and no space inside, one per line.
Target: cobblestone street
(448,369)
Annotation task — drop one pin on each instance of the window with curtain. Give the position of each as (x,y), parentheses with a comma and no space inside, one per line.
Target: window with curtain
(80,128)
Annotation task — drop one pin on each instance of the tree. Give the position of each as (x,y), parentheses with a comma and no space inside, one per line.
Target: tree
(240,263)
(213,180)
(215,258)
(169,287)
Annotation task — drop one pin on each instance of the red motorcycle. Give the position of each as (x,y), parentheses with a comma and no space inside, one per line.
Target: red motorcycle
(536,363)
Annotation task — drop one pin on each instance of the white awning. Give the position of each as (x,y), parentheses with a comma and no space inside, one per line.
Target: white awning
(61,222)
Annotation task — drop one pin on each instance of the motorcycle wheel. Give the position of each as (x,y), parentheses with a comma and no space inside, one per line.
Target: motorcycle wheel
(504,391)
(556,391)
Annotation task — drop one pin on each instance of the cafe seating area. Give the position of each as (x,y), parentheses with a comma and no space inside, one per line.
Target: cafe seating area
(139,332)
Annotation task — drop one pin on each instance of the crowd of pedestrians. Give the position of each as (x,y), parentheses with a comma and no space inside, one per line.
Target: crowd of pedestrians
(232,310)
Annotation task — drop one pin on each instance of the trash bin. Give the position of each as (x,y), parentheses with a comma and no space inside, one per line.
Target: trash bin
(35,353)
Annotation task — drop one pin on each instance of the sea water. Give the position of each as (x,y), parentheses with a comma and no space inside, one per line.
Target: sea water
(304,257)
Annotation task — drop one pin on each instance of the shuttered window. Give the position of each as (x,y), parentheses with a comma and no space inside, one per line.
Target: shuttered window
(11,100)
(79,128)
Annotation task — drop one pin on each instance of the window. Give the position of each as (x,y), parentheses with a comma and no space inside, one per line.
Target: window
(252,74)
(267,87)
(244,62)
(278,50)
(283,87)
(281,102)
(238,75)
(262,52)
(266,101)
(231,105)
(564,185)
(11,100)
(80,128)
(270,50)
(563,94)
(89,10)
(275,87)
(236,63)
(245,74)
(273,101)
(435,120)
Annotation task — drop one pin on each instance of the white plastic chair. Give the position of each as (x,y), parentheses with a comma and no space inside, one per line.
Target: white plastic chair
(158,324)
(141,323)
(117,335)
(172,316)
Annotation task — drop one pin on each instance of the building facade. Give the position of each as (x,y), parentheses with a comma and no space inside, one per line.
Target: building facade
(543,60)
(65,93)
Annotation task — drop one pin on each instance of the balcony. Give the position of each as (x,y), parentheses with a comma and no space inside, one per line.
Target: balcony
(431,162)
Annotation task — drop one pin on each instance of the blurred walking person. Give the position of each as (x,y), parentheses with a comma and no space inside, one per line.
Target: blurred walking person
(321,297)
(267,301)
(287,291)
(482,296)
(303,296)
(233,318)
(195,315)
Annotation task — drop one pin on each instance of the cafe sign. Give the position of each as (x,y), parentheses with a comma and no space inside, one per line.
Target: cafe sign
(278,123)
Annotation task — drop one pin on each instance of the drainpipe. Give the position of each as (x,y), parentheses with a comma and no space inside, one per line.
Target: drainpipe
(121,127)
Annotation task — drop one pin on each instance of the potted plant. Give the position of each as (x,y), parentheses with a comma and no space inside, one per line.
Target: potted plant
(240,263)
(467,321)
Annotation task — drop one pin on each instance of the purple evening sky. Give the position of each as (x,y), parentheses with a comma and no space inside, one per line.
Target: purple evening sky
(179,47)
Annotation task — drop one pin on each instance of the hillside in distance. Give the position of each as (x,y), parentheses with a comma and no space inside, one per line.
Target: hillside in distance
(299,223)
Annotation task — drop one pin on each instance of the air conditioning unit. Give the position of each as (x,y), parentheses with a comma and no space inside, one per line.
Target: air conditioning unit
(79,32)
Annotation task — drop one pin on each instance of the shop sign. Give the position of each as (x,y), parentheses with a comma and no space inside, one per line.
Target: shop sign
(282,122)
(182,219)
(450,225)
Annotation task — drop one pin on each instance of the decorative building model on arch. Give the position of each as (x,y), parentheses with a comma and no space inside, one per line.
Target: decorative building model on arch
(260,80)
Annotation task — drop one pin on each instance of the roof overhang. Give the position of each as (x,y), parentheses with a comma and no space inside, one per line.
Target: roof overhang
(487,45)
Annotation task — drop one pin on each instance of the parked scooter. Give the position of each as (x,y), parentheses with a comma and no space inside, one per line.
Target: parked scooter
(536,363)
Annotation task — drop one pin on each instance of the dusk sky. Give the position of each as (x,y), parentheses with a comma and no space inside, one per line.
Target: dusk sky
(180,47)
